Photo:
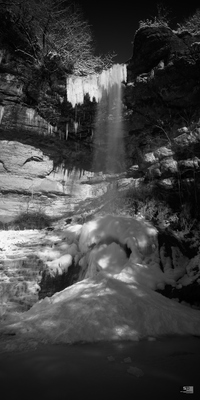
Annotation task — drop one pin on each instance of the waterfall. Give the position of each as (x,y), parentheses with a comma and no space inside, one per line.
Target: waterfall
(106,89)
(94,84)
(108,138)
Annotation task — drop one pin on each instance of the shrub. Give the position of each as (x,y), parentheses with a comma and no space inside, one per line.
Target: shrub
(153,23)
(28,220)
(191,24)
(162,18)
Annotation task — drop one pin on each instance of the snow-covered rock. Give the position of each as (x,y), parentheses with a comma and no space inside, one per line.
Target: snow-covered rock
(61,264)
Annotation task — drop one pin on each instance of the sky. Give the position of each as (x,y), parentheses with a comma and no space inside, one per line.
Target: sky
(114,23)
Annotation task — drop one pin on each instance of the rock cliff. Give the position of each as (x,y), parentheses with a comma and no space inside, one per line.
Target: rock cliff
(162,103)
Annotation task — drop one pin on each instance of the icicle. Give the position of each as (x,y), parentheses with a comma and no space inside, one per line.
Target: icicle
(1,113)
(66,131)
(75,126)
(94,85)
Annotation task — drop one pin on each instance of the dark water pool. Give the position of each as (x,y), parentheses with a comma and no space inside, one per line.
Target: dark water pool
(98,371)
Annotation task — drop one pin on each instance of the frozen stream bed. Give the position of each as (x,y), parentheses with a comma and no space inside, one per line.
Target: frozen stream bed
(117,370)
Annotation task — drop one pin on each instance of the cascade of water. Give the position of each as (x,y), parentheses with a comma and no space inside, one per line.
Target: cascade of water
(109,149)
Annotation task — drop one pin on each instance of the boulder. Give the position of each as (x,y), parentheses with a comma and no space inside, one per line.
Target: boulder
(153,44)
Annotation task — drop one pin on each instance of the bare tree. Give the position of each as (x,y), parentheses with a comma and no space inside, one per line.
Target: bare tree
(56,27)
(191,24)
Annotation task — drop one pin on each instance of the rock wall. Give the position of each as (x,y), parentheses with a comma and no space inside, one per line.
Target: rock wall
(30,181)
(15,112)
(16,116)
(161,112)
(162,99)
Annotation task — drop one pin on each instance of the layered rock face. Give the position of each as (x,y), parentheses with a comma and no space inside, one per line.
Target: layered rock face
(31,182)
(17,94)
(33,97)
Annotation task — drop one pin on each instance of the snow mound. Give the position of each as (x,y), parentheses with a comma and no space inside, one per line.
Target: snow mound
(143,266)
(117,300)
(105,308)
(135,233)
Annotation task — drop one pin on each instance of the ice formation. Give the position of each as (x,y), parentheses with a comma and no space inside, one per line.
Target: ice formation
(143,266)
(94,84)
(116,300)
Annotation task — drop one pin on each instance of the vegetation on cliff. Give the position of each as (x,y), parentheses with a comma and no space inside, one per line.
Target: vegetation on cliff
(52,28)
(41,43)
(162,101)
(190,24)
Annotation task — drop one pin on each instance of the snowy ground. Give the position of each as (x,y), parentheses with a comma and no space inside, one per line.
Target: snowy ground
(117,300)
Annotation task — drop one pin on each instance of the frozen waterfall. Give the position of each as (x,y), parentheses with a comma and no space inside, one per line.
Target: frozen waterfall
(94,85)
